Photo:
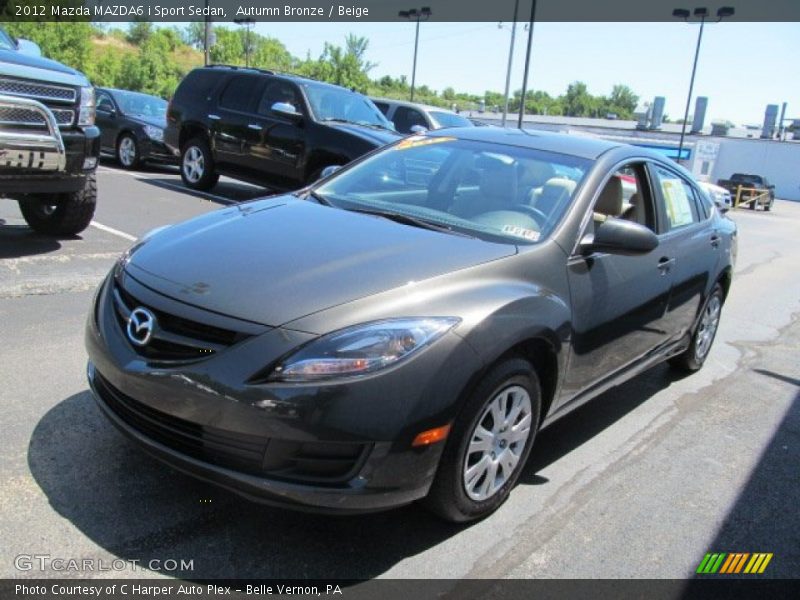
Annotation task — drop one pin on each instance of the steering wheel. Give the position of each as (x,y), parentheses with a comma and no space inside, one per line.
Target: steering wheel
(537,215)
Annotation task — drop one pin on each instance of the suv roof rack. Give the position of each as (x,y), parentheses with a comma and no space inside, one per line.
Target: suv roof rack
(240,68)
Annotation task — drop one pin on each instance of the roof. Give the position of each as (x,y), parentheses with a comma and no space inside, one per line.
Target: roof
(427,107)
(583,147)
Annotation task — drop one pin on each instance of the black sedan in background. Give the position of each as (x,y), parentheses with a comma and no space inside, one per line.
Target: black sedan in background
(132,127)
(401,329)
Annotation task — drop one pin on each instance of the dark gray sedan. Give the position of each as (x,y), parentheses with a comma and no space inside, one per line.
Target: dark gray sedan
(402,329)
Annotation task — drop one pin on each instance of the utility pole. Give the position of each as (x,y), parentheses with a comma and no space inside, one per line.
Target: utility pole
(527,65)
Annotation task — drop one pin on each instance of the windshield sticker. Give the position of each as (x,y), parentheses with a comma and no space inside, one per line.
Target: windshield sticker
(418,140)
(521,232)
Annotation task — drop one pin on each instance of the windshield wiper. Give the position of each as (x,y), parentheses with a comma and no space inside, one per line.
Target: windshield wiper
(409,220)
(319,198)
(362,123)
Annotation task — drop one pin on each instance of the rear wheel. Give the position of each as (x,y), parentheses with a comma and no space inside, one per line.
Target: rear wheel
(695,355)
(197,165)
(489,444)
(61,214)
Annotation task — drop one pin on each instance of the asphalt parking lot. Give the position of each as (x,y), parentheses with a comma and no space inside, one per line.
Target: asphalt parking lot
(642,482)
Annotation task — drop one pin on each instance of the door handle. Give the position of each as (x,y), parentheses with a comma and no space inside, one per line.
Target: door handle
(254,127)
(214,117)
(715,240)
(664,264)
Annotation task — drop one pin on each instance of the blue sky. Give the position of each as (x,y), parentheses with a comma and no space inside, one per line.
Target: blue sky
(742,68)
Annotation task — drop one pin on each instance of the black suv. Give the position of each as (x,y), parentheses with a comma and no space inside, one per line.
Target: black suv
(266,128)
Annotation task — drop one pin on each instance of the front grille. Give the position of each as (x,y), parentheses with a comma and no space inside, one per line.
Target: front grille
(27,117)
(325,463)
(38,91)
(175,339)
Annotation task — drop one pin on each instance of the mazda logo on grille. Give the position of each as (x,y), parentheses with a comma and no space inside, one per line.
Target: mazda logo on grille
(141,325)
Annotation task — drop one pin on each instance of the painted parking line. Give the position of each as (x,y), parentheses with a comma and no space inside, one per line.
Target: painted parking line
(111,230)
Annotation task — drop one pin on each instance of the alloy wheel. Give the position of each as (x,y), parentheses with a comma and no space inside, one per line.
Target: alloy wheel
(193,164)
(708,328)
(127,152)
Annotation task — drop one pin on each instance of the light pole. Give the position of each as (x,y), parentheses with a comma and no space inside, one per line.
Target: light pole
(527,65)
(510,59)
(247,23)
(702,14)
(422,14)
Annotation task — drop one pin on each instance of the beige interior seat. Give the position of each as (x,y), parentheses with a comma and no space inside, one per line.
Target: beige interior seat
(555,193)
(609,203)
(497,191)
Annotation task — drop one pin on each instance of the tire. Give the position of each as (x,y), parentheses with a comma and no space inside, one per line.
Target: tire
(460,491)
(61,214)
(197,165)
(128,155)
(693,358)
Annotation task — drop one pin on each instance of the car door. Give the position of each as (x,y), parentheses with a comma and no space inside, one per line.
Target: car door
(107,117)
(690,241)
(276,142)
(229,124)
(618,302)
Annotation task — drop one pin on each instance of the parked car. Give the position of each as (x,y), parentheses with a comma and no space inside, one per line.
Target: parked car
(390,334)
(409,117)
(132,127)
(270,129)
(49,144)
(753,186)
(719,195)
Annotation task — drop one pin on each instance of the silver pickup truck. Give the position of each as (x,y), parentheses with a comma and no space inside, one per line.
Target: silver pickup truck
(49,144)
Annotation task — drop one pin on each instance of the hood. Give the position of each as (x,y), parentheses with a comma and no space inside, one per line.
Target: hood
(276,260)
(373,135)
(148,120)
(18,64)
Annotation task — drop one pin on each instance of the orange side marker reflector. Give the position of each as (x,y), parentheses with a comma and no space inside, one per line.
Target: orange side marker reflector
(431,436)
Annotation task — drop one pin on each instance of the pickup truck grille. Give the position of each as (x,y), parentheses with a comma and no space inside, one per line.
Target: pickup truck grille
(38,91)
(24,116)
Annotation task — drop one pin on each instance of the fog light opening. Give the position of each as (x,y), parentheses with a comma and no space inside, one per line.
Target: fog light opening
(431,436)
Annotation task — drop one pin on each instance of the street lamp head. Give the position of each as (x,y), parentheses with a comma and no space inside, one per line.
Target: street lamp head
(403,14)
(413,13)
(681,13)
(725,11)
(426,11)
(701,12)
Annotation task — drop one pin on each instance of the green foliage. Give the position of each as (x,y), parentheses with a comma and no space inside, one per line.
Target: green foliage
(154,60)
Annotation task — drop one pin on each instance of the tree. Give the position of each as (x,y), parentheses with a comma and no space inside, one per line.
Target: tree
(139,32)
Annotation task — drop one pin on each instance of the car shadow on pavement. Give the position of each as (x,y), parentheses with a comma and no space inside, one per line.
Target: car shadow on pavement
(225,192)
(20,240)
(140,510)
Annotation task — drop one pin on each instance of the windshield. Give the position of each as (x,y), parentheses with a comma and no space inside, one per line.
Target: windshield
(6,43)
(133,103)
(335,104)
(491,191)
(446,119)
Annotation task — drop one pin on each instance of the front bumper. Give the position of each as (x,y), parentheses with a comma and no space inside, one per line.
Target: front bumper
(270,442)
(46,159)
(153,150)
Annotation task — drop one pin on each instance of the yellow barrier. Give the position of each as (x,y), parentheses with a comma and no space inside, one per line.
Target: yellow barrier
(754,196)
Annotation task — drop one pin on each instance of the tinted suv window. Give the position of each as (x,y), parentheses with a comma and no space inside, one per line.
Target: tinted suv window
(199,83)
(239,92)
(678,199)
(279,91)
(382,106)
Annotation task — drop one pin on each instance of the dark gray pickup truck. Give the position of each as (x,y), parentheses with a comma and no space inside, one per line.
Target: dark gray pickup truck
(49,145)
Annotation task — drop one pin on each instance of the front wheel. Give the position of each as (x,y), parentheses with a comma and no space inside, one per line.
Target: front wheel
(489,444)
(61,214)
(197,165)
(695,355)
(128,152)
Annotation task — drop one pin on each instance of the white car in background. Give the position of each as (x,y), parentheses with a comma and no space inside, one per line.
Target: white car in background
(720,196)
(409,117)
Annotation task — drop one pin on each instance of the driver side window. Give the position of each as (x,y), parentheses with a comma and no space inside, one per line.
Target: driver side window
(104,102)
(626,196)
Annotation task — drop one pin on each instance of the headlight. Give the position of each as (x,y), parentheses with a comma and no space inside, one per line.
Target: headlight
(86,110)
(154,133)
(362,349)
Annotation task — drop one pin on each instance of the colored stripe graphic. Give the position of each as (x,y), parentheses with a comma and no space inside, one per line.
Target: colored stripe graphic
(734,562)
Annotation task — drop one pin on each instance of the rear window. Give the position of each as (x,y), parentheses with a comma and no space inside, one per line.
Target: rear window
(199,84)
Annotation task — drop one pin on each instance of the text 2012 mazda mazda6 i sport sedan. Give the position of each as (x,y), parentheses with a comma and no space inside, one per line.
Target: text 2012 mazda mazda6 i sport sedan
(402,328)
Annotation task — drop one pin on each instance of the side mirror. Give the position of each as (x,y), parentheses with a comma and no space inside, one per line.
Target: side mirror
(109,111)
(29,48)
(617,236)
(418,129)
(329,170)
(286,110)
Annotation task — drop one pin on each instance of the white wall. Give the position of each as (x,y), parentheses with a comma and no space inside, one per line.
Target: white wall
(779,162)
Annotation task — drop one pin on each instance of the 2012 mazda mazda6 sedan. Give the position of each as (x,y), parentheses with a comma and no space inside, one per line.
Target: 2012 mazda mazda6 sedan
(402,328)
